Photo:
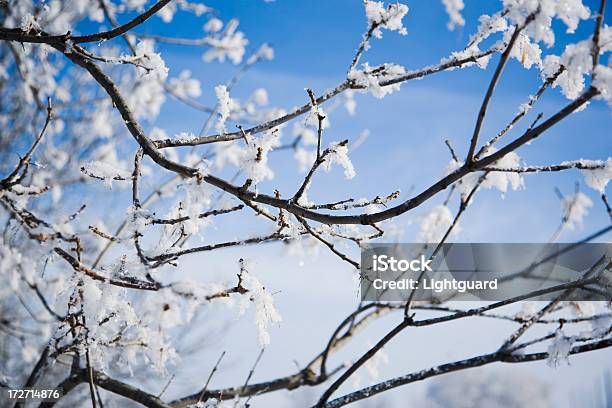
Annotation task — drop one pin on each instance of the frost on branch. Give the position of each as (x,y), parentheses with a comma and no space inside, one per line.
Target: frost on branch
(265,311)
(526,52)
(603,82)
(502,180)
(150,62)
(372,365)
(224,106)
(307,137)
(370,78)
(434,224)
(197,199)
(167,12)
(598,179)
(389,17)
(339,155)
(601,325)
(453,9)
(578,63)
(488,26)
(569,11)
(213,25)
(559,349)
(260,96)
(106,172)
(265,53)
(575,208)
(499,180)
(116,331)
(185,86)
(230,44)
(29,23)
(252,159)
(146,95)
(255,162)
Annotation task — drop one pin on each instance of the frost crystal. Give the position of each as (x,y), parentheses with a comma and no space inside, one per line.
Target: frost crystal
(265,52)
(501,180)
(575,208)
(106,172)
(224,103)
(265,311)
(213,25)
(603,82)
(185,86)
(597,179)
(256,157)
(260,96)
(496,179)
(230,45)
(305,158)
(150,61)
(525,51)
(433,225)
(601,326)
(146,96)
(373,364)
(453,8)
(339,155)
(577,60)
(389,17)
(28,22)
(559,349)
(349,102)
(370,78)
(197,199)
(488,25)
(569,11)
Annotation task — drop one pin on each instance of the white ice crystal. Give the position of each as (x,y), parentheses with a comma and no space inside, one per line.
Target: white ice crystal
(230,45)
(213,25)
(575,208)
(559,349)
(499,180)
(265,52)
(577,60)
(224,106)
(389,17)
(598,179)
(185,86)
(255,161)
(265,311)
(434,224)
(370,81)
(453,8)
(603,82)
(339,155)
(106,171)
(372,366)
(150,62)
(569,11)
